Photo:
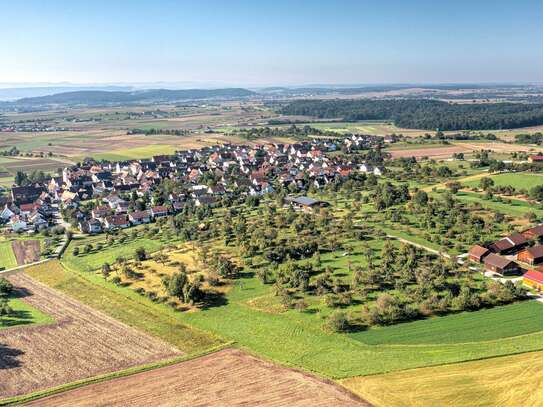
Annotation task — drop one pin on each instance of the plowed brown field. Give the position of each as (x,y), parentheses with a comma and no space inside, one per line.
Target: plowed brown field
(81,343)
(228,378)
(26,251)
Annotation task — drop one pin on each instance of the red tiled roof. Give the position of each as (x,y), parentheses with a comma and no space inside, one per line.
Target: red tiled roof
(534,275)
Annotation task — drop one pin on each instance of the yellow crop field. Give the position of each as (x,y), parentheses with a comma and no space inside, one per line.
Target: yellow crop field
(509,381)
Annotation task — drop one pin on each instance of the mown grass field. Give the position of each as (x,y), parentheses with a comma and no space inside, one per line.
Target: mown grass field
(23,314)
(7,257)
(485,325)
(517,180)
(135,153)
(510,381)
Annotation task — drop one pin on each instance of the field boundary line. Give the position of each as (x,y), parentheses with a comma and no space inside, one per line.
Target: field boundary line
(19,269)
(109,376)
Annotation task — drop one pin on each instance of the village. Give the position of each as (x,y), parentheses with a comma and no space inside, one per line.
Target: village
(95,197)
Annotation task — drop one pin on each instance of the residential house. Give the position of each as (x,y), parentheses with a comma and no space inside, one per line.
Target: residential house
(139,217)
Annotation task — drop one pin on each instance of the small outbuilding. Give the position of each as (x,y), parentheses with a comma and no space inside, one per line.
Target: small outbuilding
(478,253)
(305,203)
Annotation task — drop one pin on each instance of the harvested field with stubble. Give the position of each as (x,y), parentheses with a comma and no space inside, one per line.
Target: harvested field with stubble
(81,343)
(435,152)
(26,251)
(226,378)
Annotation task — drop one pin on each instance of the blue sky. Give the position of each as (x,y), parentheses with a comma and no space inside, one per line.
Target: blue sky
(235,42)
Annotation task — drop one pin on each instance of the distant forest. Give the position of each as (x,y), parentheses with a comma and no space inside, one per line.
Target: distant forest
(423,113)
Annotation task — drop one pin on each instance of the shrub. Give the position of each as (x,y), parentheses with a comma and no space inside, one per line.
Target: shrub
(337,322)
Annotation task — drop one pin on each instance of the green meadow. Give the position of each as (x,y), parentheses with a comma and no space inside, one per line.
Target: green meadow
(517,180)
(485,325)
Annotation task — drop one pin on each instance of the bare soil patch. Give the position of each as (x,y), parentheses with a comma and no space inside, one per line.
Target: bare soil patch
(81,343)
(227,378)
(26,251)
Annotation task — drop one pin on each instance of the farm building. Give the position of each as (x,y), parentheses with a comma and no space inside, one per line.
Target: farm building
(534,233)
(305,203)
(538,158)
(500,265)
(534,279)
(531,255)
(510,244)
(478,253)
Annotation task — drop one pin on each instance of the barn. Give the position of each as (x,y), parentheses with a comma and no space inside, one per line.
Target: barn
(500,265)
(534,279)
(531,255)
(509,245)
(534,233)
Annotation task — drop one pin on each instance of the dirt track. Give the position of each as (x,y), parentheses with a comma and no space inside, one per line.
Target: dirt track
(80,344)
(228,378)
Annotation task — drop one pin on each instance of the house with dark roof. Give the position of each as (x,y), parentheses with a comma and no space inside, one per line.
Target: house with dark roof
(305,203)
(509,245)
(500,265)
(28,194)
(534,233)
(531,255)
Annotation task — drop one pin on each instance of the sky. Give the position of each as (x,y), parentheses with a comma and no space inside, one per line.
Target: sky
(264,43)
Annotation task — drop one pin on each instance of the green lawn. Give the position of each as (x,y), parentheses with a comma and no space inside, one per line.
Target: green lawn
(24,314)
(7,257)
(134,153)
(495,323)
(517,180)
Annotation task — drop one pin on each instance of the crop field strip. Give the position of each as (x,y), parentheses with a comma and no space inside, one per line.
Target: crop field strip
(475,384)
(87,341)
(226,378)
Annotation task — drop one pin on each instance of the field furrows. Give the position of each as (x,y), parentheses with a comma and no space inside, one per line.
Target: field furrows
(80,344)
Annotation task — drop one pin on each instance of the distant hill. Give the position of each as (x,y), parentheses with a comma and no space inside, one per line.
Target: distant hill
(99,97)
(12,93)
